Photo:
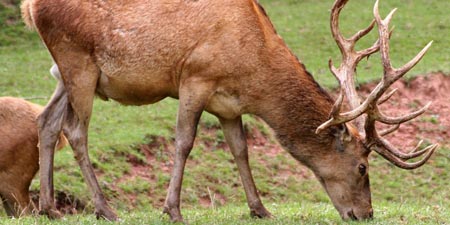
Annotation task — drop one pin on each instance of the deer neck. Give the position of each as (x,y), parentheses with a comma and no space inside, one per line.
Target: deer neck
(294,106)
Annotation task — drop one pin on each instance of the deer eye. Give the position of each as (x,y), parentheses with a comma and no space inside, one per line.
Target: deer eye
(362,169)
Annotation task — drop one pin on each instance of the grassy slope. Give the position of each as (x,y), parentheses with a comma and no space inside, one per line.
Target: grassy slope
(115,129)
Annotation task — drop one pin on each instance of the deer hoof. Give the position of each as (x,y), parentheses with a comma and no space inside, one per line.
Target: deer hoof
(106,214)
(260,213)
(174,214)
(51,213)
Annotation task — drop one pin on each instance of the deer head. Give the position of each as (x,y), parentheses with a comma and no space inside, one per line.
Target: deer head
(351,195)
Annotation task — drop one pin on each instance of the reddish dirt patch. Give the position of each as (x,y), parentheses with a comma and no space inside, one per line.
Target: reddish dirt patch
(433,126)
(159,155)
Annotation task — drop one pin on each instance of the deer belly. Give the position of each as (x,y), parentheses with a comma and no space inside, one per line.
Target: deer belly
(132,90)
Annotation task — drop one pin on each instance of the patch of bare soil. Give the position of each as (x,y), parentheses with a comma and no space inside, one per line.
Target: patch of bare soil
(159,155)
(432,126)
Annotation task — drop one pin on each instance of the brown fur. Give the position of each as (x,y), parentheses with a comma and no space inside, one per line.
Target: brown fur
(220,56)
(18,153)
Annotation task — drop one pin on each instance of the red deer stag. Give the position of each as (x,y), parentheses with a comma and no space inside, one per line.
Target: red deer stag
(19,154)
(224,57)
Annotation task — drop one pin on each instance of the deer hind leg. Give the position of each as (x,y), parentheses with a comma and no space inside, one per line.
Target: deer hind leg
(76,132)
(235,137)
(82,78)
(50,125)
(193,98)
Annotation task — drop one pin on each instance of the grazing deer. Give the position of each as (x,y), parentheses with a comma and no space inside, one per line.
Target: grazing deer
(223,57)
(19,153)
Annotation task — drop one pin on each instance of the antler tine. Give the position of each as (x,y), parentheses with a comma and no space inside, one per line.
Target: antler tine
(390,130)
(387,97)
(402,164)
(363,32)
(335,11)
(383,29)
(337,105)
(334,114)
(334,70)
(383,143)
(401,119)
(368,51)
(339,118)
(417,146)
(408,66)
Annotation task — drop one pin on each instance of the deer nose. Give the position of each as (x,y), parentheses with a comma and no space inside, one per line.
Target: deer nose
(352,216)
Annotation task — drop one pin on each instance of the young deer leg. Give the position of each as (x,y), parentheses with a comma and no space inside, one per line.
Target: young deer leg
(191,105)
(16,202)
(7,205)
(76,125)
(50,125)
(22,204)
(235,137)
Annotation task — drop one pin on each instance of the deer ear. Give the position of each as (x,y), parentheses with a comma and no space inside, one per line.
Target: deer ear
(341,135)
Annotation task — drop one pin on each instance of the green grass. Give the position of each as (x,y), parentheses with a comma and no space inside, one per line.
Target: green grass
(399,197)
(285,213)
(11,25)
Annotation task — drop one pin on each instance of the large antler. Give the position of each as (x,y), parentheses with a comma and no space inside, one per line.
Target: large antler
(345,75)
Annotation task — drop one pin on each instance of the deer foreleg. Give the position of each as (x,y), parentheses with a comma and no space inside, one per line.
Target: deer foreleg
(193,98)
(235,137)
